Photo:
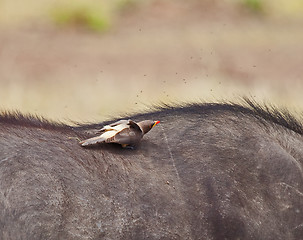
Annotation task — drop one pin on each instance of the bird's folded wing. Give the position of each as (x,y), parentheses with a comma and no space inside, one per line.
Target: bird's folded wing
(126,136)
(99,139)
(114,125)
(134,126)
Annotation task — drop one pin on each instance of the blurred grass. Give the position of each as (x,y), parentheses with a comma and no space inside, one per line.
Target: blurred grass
(99,15)
(256,6)
(85,16)
(83,76)
(96,15)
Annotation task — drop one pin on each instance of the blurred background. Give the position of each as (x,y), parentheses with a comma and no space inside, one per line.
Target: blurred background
(89,60)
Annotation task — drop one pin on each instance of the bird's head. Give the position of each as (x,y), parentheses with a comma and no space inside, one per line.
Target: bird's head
(147,125)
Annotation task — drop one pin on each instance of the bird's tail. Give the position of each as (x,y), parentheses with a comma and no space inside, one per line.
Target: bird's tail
(92,141)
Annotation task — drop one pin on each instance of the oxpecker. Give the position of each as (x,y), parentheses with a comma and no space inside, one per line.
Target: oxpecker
(124,132)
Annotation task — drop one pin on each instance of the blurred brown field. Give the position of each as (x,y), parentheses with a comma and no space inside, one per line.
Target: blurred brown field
(91,60)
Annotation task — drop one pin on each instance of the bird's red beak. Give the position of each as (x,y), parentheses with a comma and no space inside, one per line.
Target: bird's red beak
(156,122)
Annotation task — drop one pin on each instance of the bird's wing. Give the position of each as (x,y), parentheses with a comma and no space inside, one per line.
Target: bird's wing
(99,139)
(127,136)
(113,125)
(134,126)
(123,122)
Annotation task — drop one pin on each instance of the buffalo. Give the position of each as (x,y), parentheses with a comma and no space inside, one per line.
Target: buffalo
(207,171)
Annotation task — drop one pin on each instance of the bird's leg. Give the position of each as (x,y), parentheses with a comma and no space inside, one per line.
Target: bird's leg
(126,146)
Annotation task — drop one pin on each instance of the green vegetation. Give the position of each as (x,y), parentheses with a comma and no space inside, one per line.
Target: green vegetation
(85,16)
(93,15)
(97,15)
(254,5)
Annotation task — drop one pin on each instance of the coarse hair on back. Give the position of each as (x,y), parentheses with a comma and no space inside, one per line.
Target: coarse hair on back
(247,106)
(267,112)
(29,120)
(280,116)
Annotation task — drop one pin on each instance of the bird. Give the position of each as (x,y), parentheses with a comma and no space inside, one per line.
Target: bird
(124,132)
